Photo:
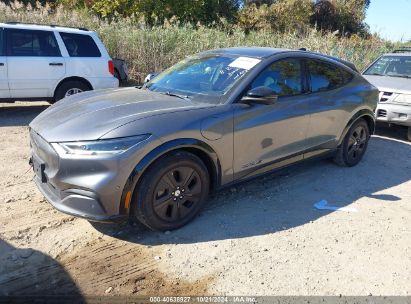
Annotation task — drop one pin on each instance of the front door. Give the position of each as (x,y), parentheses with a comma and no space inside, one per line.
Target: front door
(4,86)
(264,134)
(34,63)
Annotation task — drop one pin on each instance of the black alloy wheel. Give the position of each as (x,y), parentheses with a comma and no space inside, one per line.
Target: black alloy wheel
(172,191)
(354,145)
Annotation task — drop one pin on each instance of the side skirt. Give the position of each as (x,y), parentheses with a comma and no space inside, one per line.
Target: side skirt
(278,165)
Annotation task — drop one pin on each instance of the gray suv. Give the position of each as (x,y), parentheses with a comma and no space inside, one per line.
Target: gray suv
(212,120)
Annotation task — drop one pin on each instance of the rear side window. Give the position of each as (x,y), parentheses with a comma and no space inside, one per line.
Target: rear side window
(32,43)
(79,45)
(325,76)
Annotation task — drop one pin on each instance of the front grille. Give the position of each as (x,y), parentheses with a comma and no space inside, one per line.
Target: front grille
(44,151)
(382,113)
(385,96)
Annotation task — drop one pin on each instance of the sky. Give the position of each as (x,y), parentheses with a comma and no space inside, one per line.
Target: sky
(391,19)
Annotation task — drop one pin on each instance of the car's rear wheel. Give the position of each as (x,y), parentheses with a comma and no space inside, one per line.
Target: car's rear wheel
(354,145)
(172,191)
(69,88)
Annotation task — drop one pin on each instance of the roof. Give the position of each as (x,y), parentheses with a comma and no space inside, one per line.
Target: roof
(264,52)
(43,27)
(258,52)
(405,54)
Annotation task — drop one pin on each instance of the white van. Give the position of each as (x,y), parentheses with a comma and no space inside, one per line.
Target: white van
(48,62)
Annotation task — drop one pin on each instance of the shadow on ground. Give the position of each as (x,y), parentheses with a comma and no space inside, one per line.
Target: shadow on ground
(392,131)
(285,199)
(20,114)
(37,274)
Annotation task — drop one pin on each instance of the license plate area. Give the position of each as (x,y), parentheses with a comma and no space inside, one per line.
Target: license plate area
(39,168)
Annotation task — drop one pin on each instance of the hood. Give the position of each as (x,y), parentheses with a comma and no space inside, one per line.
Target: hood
(390,84)
(90,115)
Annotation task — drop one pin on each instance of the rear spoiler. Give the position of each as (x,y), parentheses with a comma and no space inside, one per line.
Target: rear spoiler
(344,62)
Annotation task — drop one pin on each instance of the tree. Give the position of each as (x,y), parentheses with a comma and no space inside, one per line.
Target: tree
(258,3)
(345,16)
(290,15)
(193,11)
(280,16)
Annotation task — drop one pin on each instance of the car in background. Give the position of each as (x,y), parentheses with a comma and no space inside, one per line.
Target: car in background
(391,74)
(50,62)
(212,120)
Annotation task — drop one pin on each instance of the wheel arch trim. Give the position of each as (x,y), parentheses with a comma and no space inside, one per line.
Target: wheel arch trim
(71,78)
(364,113)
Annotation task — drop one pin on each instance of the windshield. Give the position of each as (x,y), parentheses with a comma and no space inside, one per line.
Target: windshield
(395,66)
(204,78)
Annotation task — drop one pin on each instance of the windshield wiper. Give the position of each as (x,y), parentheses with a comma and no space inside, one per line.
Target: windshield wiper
(402,76)
(168,93)
(376,74)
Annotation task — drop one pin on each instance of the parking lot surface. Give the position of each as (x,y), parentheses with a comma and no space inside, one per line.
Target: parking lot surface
(264,237)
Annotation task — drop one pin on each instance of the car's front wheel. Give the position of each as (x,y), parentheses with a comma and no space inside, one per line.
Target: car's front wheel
(171,192)
(354,145)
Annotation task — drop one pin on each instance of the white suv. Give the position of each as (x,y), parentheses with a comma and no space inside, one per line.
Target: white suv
(48,62)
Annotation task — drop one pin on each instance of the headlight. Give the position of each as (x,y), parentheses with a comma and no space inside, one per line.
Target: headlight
(98,147)
(406,98)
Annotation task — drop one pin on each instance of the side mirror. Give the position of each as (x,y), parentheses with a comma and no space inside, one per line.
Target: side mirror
(263,95)
(150,77)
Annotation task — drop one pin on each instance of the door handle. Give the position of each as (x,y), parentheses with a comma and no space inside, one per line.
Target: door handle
(1,64)
(55,64)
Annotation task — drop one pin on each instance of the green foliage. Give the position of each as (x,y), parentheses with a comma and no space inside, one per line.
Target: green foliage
(157,11)
(281,16)
(345,16)
(290,15)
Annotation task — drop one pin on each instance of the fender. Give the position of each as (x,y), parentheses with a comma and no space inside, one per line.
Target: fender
(152,156)
(367,113)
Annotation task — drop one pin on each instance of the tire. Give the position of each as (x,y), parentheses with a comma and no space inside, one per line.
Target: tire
(354,145)
(172,191)
(117,75)
(409,134)
(72,85)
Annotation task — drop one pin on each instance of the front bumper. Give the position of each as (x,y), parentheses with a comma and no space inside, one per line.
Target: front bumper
(394,113)
(90,187)
(77,203)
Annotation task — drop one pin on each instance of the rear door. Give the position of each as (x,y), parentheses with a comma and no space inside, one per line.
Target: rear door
(331,101)
(4,86)
(85,57)
(34,61)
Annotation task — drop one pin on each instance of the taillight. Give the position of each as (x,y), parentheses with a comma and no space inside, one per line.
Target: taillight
(111,67)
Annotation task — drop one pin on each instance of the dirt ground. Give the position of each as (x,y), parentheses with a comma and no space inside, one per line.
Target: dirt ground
(263,237)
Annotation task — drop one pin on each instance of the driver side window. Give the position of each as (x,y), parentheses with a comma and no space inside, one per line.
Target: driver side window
(283,77)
